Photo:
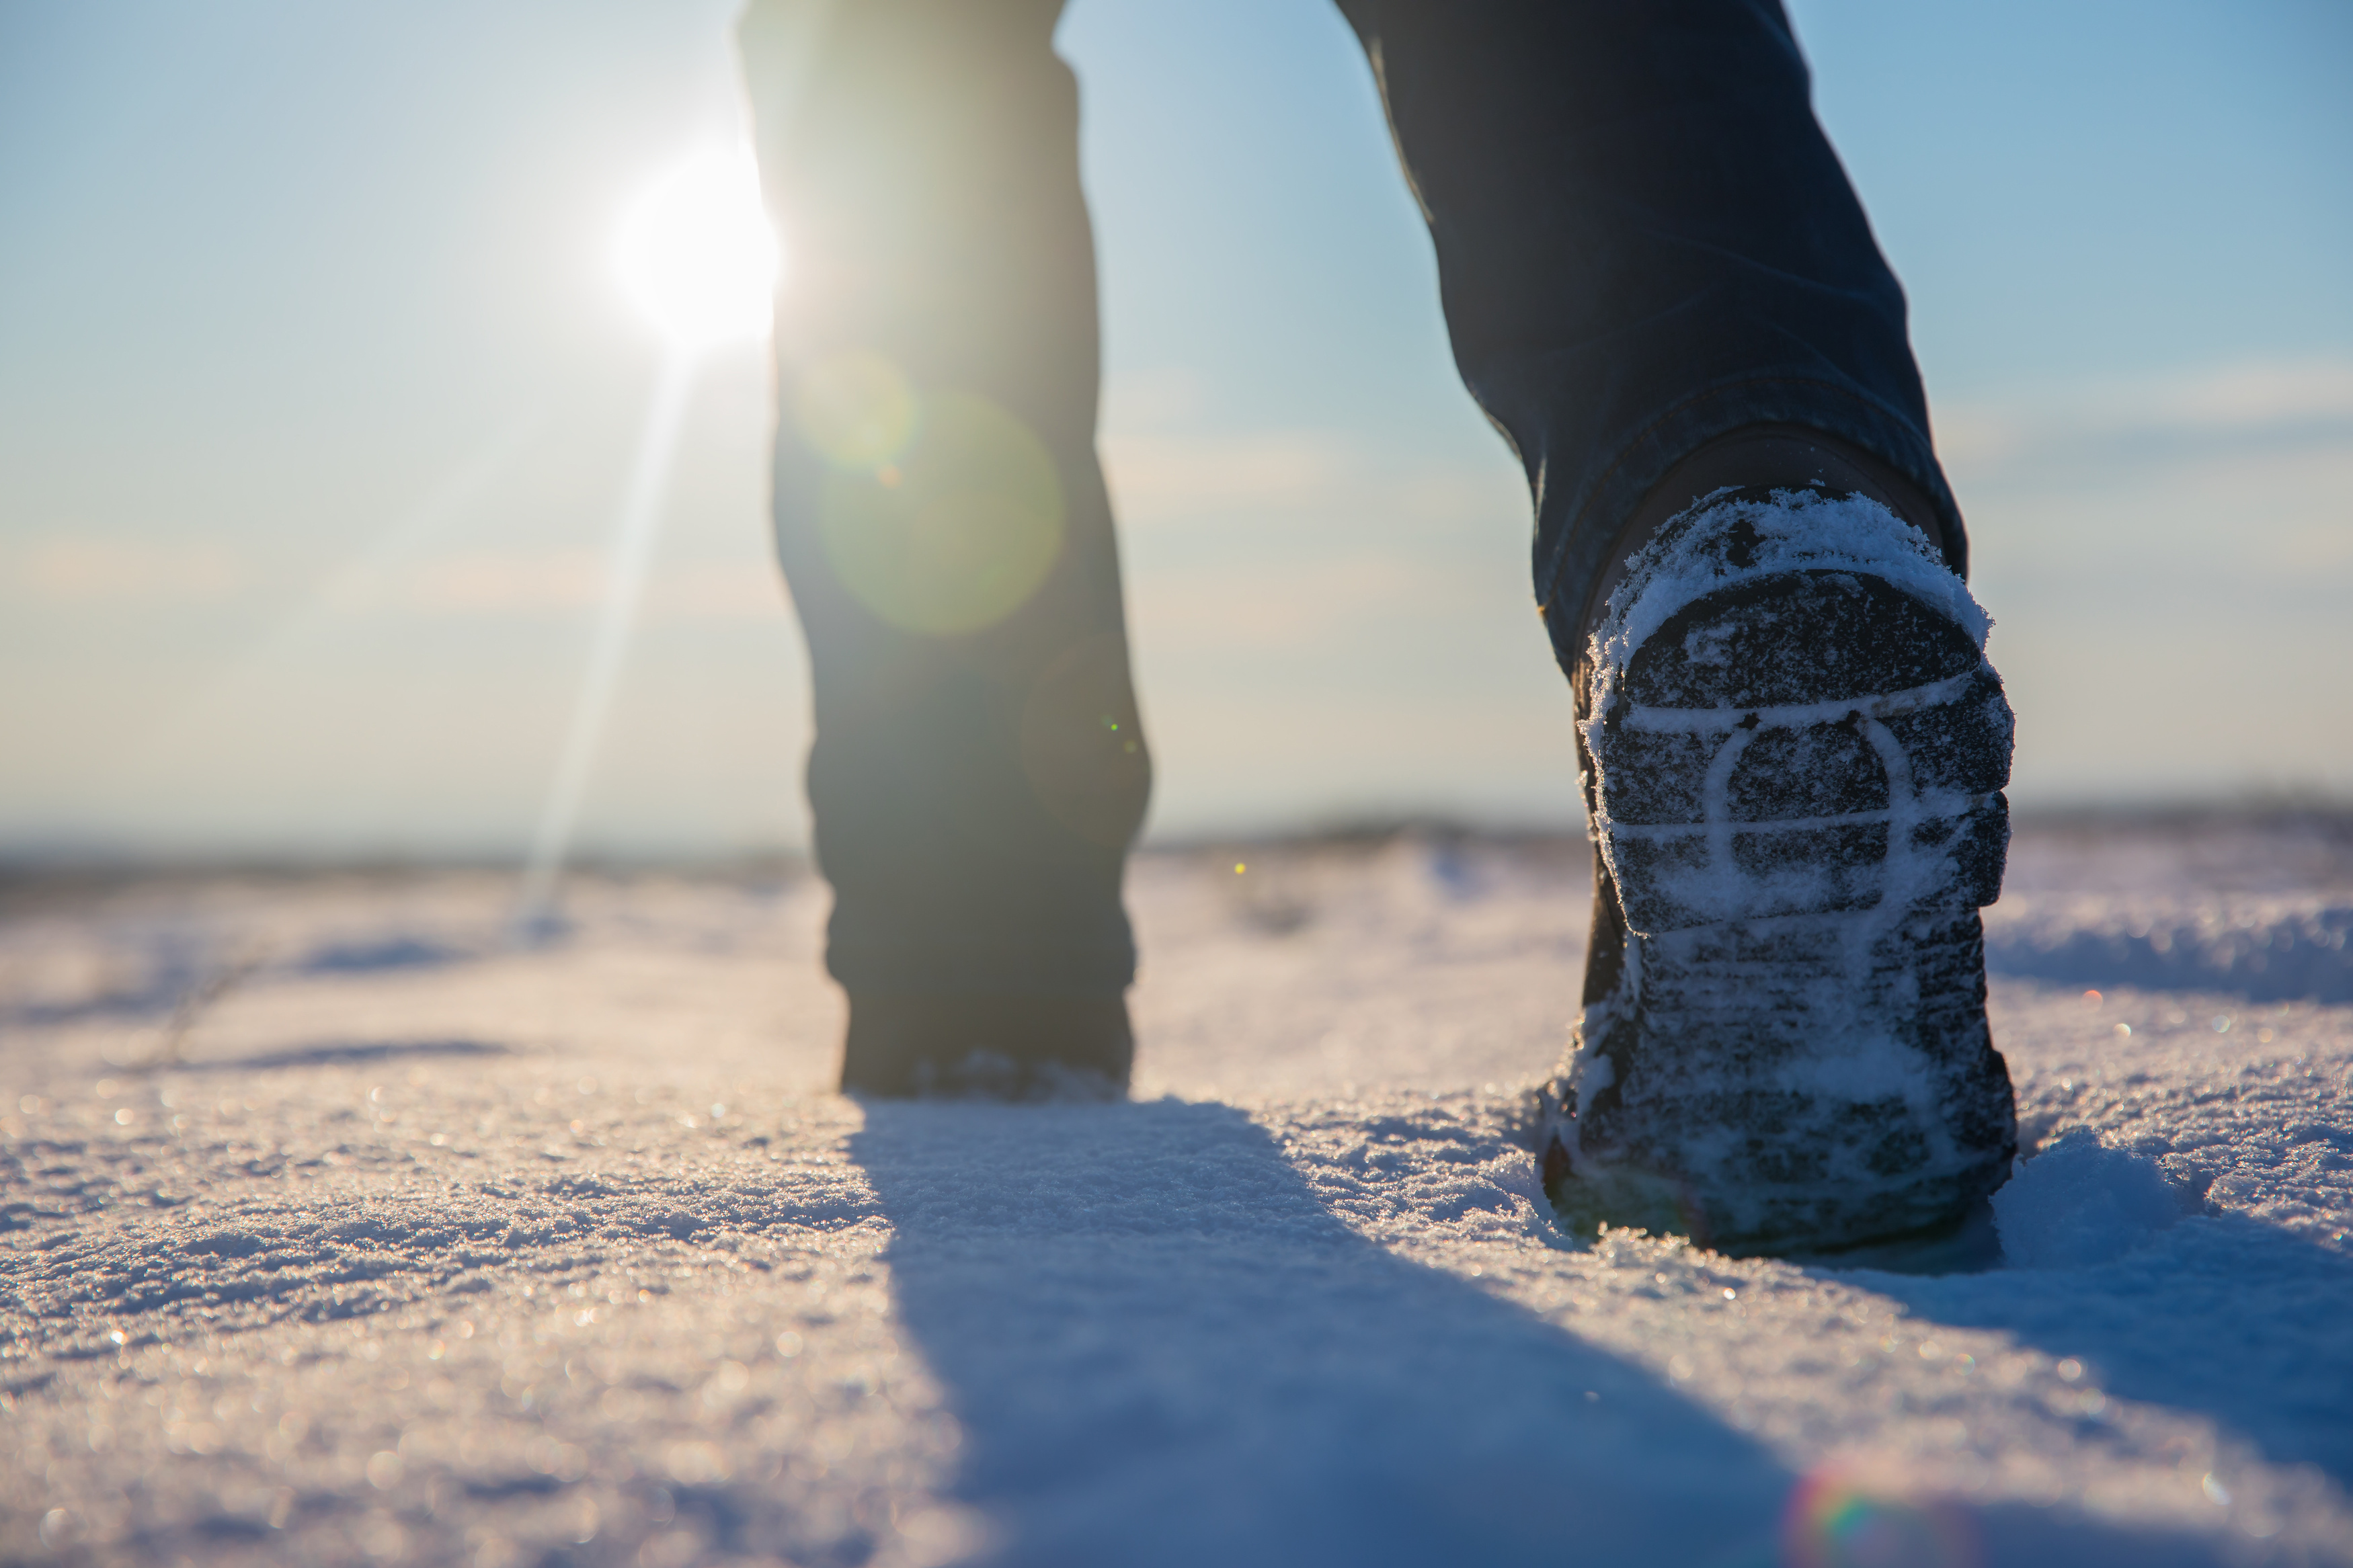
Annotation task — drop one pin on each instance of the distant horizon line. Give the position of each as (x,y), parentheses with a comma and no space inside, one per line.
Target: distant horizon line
(35,857)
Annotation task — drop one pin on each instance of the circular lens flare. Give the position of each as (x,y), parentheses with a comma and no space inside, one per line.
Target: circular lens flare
(957,533)
(1836,1519)
(697,253)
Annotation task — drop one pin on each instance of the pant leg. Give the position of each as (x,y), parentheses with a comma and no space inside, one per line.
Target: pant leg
(1644,242)
(978,769)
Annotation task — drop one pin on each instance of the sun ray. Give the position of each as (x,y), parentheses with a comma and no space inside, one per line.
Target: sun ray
(636,530)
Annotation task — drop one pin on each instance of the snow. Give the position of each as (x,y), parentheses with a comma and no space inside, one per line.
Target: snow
(2083,1202)
(1800,531)
(424,1247)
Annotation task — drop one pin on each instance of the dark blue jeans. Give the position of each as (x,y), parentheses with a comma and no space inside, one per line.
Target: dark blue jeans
(1645,243)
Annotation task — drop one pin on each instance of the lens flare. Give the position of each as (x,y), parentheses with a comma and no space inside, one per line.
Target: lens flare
(697,254)
(857,409)
(1838,1520)
(958,533)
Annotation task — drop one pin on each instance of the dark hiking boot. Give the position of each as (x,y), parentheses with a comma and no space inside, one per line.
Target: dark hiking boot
(987,1048)
(1794,752)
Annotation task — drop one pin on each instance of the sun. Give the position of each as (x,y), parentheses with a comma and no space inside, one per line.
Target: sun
(697,254)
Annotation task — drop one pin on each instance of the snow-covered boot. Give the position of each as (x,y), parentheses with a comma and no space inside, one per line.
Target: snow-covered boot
(1795,752)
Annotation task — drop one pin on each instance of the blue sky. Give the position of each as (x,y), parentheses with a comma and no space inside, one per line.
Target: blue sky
(316,399)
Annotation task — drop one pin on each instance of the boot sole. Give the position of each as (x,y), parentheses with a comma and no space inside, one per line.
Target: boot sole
(1799,812)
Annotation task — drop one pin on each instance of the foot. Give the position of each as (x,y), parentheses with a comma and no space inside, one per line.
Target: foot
(1794,751)
(987,1048)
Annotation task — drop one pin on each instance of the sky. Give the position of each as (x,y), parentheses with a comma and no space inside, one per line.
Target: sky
(318,398)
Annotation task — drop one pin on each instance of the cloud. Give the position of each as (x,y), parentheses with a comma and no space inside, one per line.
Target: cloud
(2249,409)
(1300,604)
(2234,480)
(506,583)
(1160,478)
(511,583)
(72,570)
(129,574)
(1155,478)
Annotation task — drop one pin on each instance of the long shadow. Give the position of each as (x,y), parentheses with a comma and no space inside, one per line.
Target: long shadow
(177,966)
(337,1053)
(1165,1350)
(2225,1315)
(172,970)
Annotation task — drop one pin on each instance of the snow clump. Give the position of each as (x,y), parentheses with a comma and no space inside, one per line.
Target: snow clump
(2079,1202)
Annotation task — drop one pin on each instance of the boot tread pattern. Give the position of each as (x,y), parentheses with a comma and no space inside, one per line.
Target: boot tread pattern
(1798,764)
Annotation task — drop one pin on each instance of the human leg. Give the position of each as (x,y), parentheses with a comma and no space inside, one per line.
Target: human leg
(1660,284)
(978,769)
(1645,244)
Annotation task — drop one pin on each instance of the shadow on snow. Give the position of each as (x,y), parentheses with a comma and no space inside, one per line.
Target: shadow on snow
(338,1053)
(2225,1315)
(2294,956)
(1165,1350)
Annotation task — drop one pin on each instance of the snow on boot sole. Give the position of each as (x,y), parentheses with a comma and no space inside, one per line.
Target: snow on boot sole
(1797,751)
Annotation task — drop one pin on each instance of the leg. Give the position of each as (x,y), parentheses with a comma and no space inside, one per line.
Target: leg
(1660,286)
(1645,244)
(979,770)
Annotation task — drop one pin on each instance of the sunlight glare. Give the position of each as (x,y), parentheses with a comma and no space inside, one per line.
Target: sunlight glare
(698,255)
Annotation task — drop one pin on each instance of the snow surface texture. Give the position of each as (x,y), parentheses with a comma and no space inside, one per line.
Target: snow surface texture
(424,1249)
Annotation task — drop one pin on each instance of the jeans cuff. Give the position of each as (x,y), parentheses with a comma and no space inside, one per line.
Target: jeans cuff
(1641,460)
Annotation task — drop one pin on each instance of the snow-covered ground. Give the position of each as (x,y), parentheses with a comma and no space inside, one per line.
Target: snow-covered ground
(336,1228)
